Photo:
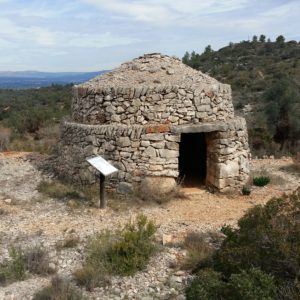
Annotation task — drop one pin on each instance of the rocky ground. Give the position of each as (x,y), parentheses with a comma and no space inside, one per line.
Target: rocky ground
(28,218)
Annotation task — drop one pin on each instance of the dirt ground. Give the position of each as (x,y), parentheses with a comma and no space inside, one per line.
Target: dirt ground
(30,217)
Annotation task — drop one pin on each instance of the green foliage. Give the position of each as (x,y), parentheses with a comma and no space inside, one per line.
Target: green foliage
(247,285)
(208,285)
(261,180)
(258,260)
(246,191)
(59,289)
(251,285)
(32,260)
(122,252)
(29,110)
(267,238)
(256,70)
(14,269)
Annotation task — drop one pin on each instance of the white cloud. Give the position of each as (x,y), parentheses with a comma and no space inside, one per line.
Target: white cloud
(284,10)
(166,11)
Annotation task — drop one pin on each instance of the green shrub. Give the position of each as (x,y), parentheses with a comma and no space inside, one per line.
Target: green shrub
(14,269)
(251,285)
(246,191)
(268,238)
(122,252)
(247,285)
(59,289)
(261,180)
(32,260)
(207,285)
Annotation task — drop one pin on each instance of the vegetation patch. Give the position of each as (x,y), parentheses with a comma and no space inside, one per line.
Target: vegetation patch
(258,260)
(59,289)
(23,262)
(246,191)
(122,252)
(261,180)
(65,191)
(200,248)
(68,242)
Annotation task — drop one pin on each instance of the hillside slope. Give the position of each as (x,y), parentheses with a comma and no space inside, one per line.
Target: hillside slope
(265,79)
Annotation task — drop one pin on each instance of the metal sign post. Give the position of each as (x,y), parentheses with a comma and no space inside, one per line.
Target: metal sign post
(105,169)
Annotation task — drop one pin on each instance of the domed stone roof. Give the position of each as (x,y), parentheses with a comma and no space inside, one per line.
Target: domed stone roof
(150,70)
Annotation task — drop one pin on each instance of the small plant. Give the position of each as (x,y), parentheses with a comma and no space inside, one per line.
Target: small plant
(14,269)
(69,242)
(91,276)
(199,250)
(246,191)
(32,260)
(122,252)
(59,289)
(261,180)
(37,261)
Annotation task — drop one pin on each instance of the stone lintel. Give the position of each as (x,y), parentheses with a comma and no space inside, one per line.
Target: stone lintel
(204,127)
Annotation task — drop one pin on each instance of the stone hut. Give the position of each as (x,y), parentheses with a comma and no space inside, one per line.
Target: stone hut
(156,119)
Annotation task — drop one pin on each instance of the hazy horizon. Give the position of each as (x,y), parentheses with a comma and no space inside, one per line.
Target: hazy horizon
(94,35)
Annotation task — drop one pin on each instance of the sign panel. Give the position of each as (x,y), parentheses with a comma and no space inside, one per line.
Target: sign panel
(102,165)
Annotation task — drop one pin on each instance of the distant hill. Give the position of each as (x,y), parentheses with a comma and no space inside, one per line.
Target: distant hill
(34,79)
(265,80)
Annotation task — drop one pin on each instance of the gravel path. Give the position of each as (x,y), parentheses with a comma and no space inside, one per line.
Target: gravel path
(29,218)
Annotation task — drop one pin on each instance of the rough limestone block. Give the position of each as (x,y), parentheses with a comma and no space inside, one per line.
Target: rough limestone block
(168,153)
(228,169)
(123,141)
(125,188)
(150,152)
(158,185)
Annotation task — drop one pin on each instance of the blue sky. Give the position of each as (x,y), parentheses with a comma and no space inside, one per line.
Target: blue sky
(92,35)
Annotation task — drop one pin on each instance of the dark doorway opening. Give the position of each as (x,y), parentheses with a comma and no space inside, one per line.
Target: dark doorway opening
(192,159)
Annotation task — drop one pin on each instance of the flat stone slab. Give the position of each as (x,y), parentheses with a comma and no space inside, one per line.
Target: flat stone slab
(203,127)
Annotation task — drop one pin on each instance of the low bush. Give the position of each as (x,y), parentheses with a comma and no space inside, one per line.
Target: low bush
(208,285)
(37,261)
(261,180)
(199,250)
(251,285)
(59,289)
(268,237)
(247,285)
(258,260)
(246,191)
(13,269)
(22,262)
(122,252)
(91,276)
(68,242)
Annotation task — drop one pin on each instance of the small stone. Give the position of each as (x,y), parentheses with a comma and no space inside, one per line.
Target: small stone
(170,71)
(125,188)
(8,201)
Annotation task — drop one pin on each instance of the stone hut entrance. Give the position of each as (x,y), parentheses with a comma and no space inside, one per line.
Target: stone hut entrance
(192,159)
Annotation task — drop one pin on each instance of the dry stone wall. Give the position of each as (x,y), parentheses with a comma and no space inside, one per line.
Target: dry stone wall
(155,104)
(146,151)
